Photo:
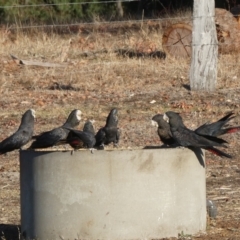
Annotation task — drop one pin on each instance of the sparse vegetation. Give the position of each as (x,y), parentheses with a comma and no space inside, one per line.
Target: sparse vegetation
(101,78)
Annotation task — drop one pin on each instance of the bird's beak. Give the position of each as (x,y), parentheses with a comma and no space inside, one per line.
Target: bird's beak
(166,118)
(154,123)
(33,113)
(79,115)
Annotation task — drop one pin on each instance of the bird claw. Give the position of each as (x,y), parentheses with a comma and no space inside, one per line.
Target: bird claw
(92,150)
(101,147)
(176,145)
(165,146)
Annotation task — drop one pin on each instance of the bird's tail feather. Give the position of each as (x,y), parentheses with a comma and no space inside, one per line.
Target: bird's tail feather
(230,130)
(218,152)
(228,117)
(215,139)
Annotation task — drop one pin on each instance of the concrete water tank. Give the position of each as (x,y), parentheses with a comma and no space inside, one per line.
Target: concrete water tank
(114,195)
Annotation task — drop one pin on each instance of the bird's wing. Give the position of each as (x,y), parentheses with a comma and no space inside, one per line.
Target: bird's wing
(86,137)
(100,137)
(8,144)
(112,135)
(50,138)
(187,137)
(15,141)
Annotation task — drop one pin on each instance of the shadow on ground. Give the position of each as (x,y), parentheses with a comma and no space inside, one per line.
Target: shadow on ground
(135,54)
(9,232)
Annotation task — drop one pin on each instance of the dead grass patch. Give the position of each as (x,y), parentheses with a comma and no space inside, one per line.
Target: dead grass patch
(103,80)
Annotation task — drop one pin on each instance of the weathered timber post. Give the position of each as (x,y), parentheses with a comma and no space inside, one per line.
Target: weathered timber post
(203,71)
(120,8)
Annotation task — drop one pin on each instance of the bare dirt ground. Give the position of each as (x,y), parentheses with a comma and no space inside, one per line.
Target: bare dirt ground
(97,77)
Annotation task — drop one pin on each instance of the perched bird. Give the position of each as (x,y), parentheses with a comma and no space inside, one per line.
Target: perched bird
(57,135)
(186,137)
(165,135)
(22,136)
(82,139)
(110,132)
(216,128)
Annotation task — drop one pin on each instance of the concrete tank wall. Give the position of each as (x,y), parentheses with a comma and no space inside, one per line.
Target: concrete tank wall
(115,195)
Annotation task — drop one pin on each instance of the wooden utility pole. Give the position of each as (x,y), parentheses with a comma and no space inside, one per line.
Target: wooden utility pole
(203,71)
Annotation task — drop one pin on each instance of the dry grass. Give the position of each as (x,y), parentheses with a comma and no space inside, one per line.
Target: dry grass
(101,79)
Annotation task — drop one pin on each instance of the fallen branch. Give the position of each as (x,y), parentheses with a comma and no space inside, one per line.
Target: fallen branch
(5,186)
(36,63)
(219,198)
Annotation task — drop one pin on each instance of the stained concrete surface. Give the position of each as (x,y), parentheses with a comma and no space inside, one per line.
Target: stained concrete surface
(120,194)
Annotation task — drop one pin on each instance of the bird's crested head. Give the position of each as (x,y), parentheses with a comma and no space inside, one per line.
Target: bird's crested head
(74,118)
(112,119)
